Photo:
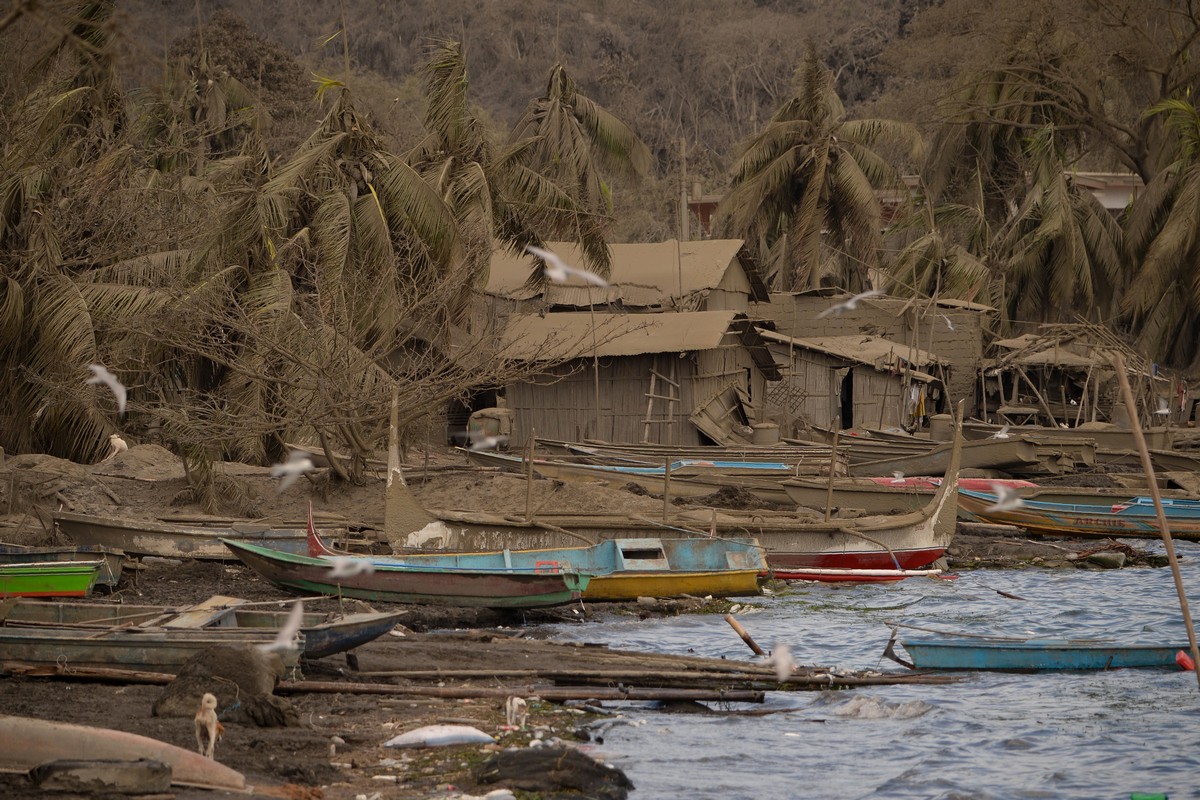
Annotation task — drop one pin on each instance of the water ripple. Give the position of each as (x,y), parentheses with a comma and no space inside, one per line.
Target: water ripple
(1070,736)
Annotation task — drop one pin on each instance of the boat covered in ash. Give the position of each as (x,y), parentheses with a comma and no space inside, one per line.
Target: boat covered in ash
(426,584)
(619,569)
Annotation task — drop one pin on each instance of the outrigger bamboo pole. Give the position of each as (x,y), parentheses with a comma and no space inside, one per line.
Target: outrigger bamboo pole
(1164,531)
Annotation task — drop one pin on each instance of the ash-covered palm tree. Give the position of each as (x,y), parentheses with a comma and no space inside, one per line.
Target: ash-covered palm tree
(574,141)
(496,194)
(806,185)
(1061,250)
(67,157)
(936,263)
(1162,236)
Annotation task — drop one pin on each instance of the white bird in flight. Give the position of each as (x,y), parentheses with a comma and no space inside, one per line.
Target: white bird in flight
(781,659)
(488,442)
(349,566)
(1164,407)
(851,304)
(290,471)
(1007,499)
(116,445)
(559,271)
(102,375)
(1001,434)
(949,324)
(286,638)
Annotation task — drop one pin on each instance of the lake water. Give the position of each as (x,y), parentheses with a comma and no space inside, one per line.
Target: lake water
(1083,735)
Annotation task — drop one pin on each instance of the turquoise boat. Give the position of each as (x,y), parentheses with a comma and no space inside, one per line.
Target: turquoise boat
(1134,516)
(49,578)
(1031,655)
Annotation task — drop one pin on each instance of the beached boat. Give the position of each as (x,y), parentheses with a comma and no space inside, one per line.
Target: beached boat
(402,583)
(795,542)
(49,578)
(1134,516)
(149,648)
(323,634)
(686,477)
(619,569)
(110,570)
(26,743)
(879,495)
(150,538)
(1030,655)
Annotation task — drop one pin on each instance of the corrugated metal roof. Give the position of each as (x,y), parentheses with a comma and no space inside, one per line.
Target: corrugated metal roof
(565,335)
(643,274)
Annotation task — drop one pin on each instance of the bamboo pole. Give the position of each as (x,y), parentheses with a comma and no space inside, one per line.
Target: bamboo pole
(1163,530)
(737,626)
(667,489)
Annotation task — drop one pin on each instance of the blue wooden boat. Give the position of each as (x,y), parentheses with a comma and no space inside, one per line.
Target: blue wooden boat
(619,569)
(110,569)
(1134,516)
(962,652)
(463,586)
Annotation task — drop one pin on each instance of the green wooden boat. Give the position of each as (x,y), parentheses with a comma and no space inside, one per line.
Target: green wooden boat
(49,578)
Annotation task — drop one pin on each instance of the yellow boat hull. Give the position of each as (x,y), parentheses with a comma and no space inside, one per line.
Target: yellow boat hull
(630,585)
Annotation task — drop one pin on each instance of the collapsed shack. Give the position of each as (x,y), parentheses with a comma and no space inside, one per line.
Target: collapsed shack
(1062,376)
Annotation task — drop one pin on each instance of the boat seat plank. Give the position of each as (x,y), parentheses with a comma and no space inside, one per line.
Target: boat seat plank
(205,613)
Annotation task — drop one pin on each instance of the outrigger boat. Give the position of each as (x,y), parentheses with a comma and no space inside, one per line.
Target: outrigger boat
(619,569)
(1134,516)
(145,537)
(482,587)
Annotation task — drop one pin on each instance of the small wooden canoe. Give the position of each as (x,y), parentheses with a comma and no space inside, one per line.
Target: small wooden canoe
(1131,517)
(1032,655)
(323,634)
(49,578)
(110,572)
(400,583)
(149,538)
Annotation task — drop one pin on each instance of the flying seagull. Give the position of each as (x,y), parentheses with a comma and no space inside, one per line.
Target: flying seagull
(559,271)
(1001,434)
(290,471)
(781,659)
(488,442)
(286,638)
(1164,407)
(349,566)
(1007,499)
(949,324)
(851,304)
(102,375)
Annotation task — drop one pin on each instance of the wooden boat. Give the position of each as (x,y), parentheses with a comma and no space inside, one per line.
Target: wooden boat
(110,570)
(26,743)
(794,541)
(151,538)
(1131,517)
(687,477)
(403,583)
(862,575)
(323,634)
(1105,436)
(878,495)
(1030,655)
(150,648)
(999,454)
(619,569)
(49,578)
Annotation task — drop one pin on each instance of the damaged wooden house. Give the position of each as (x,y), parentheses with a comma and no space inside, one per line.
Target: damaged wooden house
(665,354)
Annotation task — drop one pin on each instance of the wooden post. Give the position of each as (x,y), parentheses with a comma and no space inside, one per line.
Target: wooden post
(983,392)
(832,470)
(1163,530)
(1038,393)
(529,477)
(667,488)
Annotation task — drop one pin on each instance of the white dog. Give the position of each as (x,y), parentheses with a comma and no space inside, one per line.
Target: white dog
(208,728)
(516,711)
